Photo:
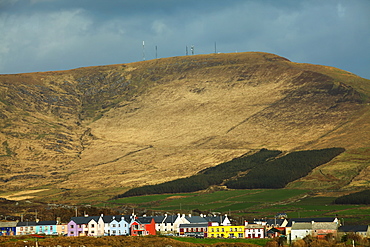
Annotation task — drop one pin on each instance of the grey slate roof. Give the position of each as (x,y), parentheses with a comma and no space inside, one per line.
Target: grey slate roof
(324,219)
(273,222)
(144,220)
(170,219)
(360,228)
(158,219)
(196,219)
(47,223)
(84,220)
(195,225)
(26,223)
(218,219)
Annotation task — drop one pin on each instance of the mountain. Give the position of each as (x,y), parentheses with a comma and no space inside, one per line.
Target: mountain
(106,129)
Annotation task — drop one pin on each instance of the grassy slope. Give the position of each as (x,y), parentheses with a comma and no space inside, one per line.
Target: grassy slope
(176,116)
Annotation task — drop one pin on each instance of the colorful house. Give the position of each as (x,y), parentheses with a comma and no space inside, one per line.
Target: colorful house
(116,225)
(196,230)
(86,226)
(8,228)
(62,229)
(46,227)
(219,231)
(142,226)
(26,227)
(254,230)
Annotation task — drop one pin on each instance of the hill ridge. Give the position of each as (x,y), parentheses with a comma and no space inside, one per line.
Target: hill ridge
(193,112)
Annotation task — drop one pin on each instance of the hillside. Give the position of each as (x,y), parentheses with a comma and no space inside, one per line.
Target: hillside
(108,128)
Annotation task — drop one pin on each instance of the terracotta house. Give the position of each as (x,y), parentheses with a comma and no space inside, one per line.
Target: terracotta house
(143,226)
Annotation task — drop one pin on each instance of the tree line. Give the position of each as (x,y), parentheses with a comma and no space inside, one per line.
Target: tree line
(264,170)
(362,197)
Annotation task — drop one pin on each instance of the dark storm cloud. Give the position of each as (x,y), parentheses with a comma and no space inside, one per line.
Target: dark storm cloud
(39,35)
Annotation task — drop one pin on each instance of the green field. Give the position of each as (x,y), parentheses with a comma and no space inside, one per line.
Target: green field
(249,204)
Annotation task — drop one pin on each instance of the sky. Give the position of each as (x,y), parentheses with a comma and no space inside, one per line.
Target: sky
(48,35)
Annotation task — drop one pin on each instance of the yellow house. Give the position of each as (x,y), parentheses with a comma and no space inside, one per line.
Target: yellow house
(217,231)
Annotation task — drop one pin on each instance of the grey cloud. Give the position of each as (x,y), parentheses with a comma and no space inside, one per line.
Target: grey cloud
(54,34)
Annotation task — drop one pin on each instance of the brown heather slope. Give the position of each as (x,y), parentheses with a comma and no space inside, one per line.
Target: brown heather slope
(110,127)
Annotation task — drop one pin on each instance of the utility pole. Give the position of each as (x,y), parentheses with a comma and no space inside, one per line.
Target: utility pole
(156,52)
(143,50)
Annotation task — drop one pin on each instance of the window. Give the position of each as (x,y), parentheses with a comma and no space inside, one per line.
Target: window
(236,229)
(51,227)
(72,226)
(92,225)
(240,235)
(72,233)
(231,229)
(212,230)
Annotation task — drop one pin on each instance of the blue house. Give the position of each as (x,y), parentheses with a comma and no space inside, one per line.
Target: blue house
(8,228)
(47,227)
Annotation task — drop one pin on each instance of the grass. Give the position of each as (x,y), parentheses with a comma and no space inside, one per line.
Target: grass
(261,242)
(247,204)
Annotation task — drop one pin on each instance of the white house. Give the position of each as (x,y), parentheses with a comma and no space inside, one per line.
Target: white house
(300,230)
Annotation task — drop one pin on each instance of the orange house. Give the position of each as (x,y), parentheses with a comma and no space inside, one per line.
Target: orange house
(143,226)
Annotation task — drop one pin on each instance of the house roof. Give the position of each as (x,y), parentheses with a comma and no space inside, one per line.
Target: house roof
(158,219)
(196,219)
(8,224)
(302,226)
(324,219)
(47,223)
(170,218)
(324,225)
(194,225)
(253,226)
(361,228)
(220,219)
(275,222)
(85,220)
(144,220)
(26,223)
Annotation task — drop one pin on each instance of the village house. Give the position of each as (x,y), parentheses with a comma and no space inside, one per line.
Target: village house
(293,221)
(86,226)
(215,230)
(117,225)
(26,227)
(8,228)
(167,224)
(47,227)
(361,230)
(254,230)
(197,230)
(300,230)
(142,226)
(322,229)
